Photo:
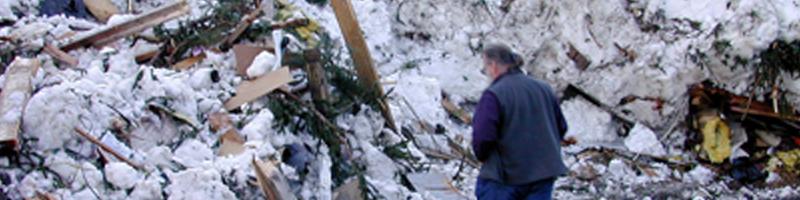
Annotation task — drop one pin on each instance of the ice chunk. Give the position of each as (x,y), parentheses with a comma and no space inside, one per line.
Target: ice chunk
(192,153)
(644,141)
(122,175)
(197,183)
(587,123)
(262,64)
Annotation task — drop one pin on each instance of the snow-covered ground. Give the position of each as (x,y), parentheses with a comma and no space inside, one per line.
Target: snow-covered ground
(642,48)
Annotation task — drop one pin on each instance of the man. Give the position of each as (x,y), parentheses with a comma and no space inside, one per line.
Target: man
(517,131)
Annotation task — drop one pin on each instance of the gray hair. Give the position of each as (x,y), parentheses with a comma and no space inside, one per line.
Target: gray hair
(503,54)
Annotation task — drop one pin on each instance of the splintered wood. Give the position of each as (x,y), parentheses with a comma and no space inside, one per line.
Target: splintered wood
(354,38)
(272,182)
(251,90)
(143,21)
(15,95)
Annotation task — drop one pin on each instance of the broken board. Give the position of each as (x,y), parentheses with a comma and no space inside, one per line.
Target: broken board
(362,60)
(251,90)
(272,183)
(435,184)
(143,21)
(16,92)
(101,9)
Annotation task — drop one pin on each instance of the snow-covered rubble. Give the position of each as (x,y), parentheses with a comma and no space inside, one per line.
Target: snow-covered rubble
(426,48)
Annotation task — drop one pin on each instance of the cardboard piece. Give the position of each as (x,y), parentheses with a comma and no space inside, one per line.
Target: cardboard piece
(251,90)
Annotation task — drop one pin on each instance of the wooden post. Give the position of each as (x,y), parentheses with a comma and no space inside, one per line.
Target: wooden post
(16,92)
(360,53)
(316,75)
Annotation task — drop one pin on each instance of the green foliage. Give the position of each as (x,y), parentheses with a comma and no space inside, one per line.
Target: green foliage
(207,31)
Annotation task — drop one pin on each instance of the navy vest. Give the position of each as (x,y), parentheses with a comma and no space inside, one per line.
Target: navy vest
(528,146)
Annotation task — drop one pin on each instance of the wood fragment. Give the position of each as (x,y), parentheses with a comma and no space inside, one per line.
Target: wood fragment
(16,92)
(580,61)
(143,21)
(231,143)
(354,38)
(106,148)
(251,90)
(60,55)
(101,9)
(146,56)
(454,110)
(189,62)
(316,75)
(273,184)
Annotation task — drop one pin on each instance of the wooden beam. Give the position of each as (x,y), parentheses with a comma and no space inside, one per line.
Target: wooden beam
(15,95)
(251,90)
(143,21)
(316,75)
(359,51)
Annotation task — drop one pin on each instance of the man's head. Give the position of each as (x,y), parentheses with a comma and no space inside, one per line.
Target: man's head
(499,59)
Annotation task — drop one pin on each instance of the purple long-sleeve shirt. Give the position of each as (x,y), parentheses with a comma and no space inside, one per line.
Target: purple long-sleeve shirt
(485,124)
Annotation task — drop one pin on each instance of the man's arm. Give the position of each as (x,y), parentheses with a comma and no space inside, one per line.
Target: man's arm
(485,124)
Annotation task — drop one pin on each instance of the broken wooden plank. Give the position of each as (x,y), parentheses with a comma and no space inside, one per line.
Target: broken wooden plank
(143,21)
(101,9)
(434,183)
(16,92)
(454,110)
(580,61)
(106,148)
(60,55)
(251,90)
(189,62)
(231,143)
(357,45)
(272,183)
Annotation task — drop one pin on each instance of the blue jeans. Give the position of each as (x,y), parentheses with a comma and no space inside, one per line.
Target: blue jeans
(491,190)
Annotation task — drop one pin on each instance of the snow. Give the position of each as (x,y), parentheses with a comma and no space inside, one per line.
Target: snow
(6,13)
(192,153)
(262,64)
(588,124)
(122,175)
(427,47)
(643,140)
(196,183)
(700,175)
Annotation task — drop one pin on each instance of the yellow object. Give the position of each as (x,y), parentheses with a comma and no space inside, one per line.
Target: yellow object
(789,159)
(717,140)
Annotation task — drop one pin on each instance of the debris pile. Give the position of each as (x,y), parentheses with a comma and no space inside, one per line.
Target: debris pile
(302,99)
